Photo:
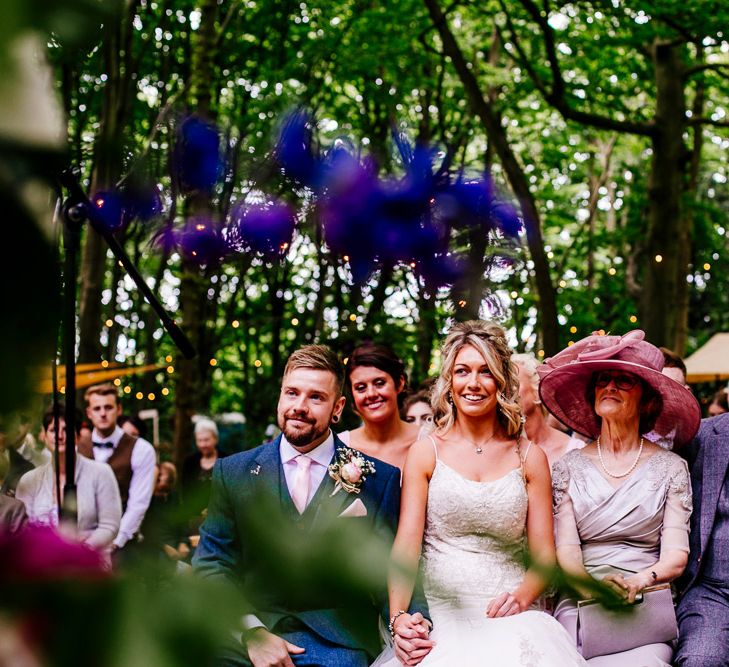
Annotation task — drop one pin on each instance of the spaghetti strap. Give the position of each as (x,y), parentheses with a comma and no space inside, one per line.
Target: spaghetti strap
(526,453)
(522,459)
(435,447)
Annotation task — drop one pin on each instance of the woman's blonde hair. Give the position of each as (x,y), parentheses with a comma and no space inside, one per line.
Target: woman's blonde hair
(490,340)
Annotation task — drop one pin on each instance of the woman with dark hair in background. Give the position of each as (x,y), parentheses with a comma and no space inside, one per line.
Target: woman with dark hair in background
(132,425)
(719,404)
(416,409)
(376,377)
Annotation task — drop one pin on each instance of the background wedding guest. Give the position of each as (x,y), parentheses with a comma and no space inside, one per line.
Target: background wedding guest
(197,472)
(12,465)
(99,508)
(376,377)
(132,425)
(416,409)
(719,403)
(13,516)
(553,442)
(132,459)
(32,449)
(703,612)
(165,526)
(622,504)
(673,366)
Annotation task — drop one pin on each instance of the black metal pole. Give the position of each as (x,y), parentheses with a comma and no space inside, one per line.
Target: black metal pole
(74,216)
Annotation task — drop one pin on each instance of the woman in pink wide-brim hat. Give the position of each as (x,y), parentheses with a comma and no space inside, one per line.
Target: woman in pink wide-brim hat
(622,503)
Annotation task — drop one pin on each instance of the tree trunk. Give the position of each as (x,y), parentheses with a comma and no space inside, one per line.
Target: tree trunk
(515,174)
(468,292)
(108,164)
(193,376)
(663,256)
(686,230)
(427,331)
(375,310)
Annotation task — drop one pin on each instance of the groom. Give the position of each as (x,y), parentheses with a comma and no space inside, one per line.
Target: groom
(287,621)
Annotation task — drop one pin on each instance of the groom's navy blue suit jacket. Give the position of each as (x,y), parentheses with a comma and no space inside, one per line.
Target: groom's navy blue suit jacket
(251,518)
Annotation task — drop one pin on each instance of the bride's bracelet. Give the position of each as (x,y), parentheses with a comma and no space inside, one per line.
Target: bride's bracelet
(393,618)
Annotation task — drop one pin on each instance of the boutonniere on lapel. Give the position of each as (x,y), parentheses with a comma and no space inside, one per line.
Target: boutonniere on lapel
(350,470)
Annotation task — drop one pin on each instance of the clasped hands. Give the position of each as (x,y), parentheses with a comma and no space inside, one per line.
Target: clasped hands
(628,588)
(412,638)
(412,632)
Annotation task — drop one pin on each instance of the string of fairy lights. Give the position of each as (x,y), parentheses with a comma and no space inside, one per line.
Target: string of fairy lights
(101,372)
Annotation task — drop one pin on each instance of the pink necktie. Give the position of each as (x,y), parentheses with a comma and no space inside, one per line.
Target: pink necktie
(300,493)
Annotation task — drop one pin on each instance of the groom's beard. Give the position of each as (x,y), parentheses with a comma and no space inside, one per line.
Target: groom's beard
(301,436)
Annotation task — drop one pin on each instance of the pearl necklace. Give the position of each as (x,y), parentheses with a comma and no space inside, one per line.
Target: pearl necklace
(628,471)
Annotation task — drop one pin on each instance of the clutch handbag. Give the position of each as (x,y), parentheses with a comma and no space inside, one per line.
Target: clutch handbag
(651,619)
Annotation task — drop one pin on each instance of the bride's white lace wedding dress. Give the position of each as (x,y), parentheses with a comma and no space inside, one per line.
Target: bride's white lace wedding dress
(473,550)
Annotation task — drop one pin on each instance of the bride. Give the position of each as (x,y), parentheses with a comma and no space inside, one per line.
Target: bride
(475,499)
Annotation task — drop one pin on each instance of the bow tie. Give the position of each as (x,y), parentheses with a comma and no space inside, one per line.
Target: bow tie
(104,445)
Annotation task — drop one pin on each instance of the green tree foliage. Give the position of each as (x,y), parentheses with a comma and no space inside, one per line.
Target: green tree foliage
(573,89)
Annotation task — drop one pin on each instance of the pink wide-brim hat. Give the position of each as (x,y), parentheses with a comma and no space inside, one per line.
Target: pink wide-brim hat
(564,379)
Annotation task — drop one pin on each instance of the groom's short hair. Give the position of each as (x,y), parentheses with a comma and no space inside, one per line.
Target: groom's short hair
(319,358)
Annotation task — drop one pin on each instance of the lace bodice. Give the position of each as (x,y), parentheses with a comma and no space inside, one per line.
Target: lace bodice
(624,527)
(473,546)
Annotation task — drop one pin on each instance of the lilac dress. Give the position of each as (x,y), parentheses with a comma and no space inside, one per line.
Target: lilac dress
(621,529)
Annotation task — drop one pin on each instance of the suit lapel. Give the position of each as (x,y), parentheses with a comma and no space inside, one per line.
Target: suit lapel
(267,473)
(715,460)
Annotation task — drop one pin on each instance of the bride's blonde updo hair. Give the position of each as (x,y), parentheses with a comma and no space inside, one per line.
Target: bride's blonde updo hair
(490,340)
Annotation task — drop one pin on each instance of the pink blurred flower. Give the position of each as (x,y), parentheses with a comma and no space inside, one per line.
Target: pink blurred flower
(39,553)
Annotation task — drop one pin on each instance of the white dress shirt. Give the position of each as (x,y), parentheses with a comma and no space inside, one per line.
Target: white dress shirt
(321,457)
(141,486)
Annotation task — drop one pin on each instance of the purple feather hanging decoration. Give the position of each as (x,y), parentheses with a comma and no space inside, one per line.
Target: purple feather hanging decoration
(201,243)
(197,155)
(265,228)
(110,209)
(405,220)
(294,149)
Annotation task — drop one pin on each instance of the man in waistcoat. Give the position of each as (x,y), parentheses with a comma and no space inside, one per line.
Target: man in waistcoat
(703,612)
(132,459)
